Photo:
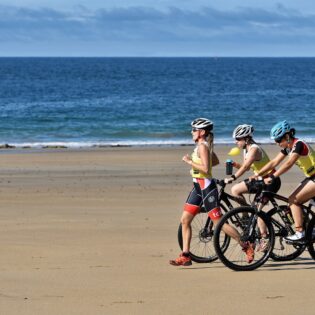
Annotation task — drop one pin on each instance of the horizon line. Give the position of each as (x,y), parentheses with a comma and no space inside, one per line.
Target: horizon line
(212,57)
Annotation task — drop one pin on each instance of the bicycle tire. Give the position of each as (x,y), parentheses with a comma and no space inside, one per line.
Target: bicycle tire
(310,237)
(201,245)
(282,251)
(234,257)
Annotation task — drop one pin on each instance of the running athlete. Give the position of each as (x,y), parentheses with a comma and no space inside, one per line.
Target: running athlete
(300,153)
(204,187)
(254,158)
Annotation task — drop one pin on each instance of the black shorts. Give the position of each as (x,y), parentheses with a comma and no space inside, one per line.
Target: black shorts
(204,193)
(273,187)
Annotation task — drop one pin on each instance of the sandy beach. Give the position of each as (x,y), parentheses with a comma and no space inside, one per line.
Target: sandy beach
(92,231)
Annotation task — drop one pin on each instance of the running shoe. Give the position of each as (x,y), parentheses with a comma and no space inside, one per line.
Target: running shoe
(249,250)
(298,236)
(181,261)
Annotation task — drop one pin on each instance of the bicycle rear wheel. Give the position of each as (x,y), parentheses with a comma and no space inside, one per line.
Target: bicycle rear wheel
(310,237)
(282,251)
(241,220)
(201,245)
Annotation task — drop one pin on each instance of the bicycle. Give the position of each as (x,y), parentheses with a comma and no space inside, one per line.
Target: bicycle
(278,224)
(283,224)
(244,220)
(202,228)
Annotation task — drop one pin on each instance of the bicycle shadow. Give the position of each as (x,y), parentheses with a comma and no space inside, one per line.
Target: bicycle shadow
(304,262)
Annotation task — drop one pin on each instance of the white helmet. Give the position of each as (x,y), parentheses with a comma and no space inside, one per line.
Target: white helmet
(202,123)
(243,131)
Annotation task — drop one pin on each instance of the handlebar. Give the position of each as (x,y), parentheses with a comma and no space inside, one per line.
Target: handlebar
(258,183)
(220,182)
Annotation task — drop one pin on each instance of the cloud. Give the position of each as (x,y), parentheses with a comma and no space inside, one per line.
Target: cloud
(242,25)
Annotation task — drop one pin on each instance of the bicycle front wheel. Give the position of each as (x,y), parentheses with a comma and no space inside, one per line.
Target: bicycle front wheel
(201,245)
(243,252)
(282,251)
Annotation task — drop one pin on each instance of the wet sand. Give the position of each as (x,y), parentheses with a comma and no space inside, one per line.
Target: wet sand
(91,232)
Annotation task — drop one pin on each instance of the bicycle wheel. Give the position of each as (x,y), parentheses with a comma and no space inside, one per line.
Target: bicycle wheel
(241,219)
(310,237)
(201,245)
(282,251)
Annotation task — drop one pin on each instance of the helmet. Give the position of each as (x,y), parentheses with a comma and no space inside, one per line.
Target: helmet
(280,129)
(202,123)
(243,131)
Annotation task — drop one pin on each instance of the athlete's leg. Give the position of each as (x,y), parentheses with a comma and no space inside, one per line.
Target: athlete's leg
(185,220)
(304,192)
(191,208)
(239,189)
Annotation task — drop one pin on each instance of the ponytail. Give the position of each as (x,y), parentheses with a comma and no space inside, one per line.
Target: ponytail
(210,144)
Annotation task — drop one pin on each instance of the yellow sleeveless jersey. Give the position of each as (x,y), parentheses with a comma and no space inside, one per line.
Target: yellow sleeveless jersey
(307,162)
(258,165)
(195,173)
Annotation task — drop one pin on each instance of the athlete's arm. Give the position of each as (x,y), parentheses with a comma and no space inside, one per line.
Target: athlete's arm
(204,157)
(287,164)
(251,157)
(272,164)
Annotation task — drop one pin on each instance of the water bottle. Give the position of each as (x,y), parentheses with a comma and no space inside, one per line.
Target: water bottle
(229,167)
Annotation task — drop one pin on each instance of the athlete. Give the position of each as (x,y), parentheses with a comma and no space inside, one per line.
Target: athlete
(204,189)
(254,158)
(300,153)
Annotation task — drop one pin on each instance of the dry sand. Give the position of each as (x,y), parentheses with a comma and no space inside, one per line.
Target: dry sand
(91,232)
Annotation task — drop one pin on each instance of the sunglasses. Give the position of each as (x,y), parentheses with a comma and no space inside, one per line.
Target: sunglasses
(279,140)
(194,129)
(239,139)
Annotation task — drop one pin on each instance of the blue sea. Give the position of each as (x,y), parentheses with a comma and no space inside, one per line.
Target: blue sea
(82,102)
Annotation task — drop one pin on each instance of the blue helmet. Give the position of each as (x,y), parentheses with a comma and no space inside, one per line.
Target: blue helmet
(279,130)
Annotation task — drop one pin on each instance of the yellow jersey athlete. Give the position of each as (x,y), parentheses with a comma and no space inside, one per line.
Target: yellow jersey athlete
(301,154)
(255,158)
(204,187)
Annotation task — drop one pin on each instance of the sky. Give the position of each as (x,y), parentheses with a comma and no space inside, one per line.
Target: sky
(106,28)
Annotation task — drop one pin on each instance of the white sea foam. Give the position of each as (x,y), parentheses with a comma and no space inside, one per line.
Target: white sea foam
(156,142)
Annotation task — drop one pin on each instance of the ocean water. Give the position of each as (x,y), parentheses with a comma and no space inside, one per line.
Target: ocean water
(79,102)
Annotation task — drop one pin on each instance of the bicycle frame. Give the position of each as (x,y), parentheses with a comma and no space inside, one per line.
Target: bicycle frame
(266,196)
(225,197)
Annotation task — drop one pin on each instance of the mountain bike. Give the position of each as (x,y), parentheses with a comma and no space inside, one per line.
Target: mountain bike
(279,224)
(202,229)
(245,220)
(283,224)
